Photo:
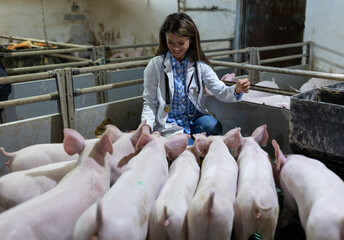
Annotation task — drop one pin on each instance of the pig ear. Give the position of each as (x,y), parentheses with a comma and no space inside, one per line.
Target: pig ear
(280,158)
(144,138)
(201,143)
(105,145)
(137,133)
(233,138)
(113,132)
(261,135)
(176,144)
(73,142)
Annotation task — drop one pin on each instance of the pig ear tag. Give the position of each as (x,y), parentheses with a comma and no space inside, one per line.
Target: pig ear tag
(167,109)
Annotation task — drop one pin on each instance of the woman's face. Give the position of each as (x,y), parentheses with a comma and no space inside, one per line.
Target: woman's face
(177,45)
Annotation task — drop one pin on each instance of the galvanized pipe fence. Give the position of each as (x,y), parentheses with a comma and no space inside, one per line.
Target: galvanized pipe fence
(66,93)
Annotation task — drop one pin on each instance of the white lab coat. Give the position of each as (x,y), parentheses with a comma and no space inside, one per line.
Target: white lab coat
(154,99)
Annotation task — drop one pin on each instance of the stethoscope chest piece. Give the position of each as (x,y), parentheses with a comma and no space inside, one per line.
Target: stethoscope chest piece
(167,109)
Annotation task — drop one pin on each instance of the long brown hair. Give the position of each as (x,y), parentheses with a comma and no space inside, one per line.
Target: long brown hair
(182,25)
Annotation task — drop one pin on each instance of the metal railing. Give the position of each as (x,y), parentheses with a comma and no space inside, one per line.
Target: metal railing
(65,94)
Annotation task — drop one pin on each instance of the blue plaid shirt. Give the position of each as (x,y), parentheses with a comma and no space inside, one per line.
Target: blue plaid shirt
(180,107)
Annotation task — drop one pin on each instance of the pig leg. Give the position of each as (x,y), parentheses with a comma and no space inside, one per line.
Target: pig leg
(267,230)
(244,227)
(319,227)
(290,208)
(83,228)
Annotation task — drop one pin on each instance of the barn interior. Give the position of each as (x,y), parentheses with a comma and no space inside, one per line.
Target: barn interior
(79,64)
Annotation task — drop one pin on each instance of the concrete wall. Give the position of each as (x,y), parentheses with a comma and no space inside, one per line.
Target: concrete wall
(110,22)
(24,19)
(324,26)
(138,21)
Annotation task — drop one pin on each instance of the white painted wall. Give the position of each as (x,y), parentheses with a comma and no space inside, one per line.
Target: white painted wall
(134,21)
(24,19)
(110,22)
(137,21)
(324,25)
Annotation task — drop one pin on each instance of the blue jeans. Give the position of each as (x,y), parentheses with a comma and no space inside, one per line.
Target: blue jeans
(207,124)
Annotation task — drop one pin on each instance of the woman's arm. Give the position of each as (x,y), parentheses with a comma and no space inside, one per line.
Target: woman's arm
(150,98)
(217,87)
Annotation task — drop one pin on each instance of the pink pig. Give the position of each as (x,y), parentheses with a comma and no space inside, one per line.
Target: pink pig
(275,100)
(53,214)
(20,186)
(41,154)
(314,191)
(316,83)
(168,216)
(124,148)
(38,155)
(123,212)
(256,204)
(211,214)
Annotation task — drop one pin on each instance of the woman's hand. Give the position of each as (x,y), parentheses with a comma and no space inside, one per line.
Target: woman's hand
(242,85)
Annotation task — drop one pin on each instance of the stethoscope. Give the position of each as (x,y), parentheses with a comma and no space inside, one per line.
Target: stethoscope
(198,89)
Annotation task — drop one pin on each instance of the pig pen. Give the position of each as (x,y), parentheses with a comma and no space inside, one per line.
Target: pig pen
(43,122)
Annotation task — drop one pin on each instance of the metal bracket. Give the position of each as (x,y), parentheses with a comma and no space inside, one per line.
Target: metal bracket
(70,97)
(254,75)
(61,89)
(99,53)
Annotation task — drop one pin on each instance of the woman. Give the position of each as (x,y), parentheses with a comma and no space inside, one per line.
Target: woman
(174,82)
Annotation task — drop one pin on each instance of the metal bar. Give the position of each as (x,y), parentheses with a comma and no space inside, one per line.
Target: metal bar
(27,100)
(254,75)
(130,58)
(156,44)
(46,67)
(310,51)
(332,64)
(305,57)
(265,89)
(78,92)
(69,57)
(44,52)
(212,9)
(217,40)
(279,59)
(222,53)
(132,46)
(70,97)
(100,78)
(27,77)
(109,67)
(98,61)
(43,41)
(220,68)
(61,87)
(228,52)
(326,49)
(291,45)
(339,77)
(215,50)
